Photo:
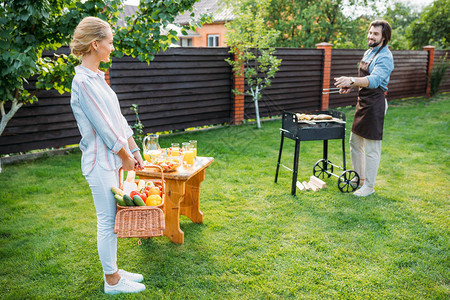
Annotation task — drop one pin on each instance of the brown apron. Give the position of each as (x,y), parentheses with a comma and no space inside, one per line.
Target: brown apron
(370,108)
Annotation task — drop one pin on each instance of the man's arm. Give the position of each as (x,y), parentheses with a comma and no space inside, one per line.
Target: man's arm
(381,72)
(346,82)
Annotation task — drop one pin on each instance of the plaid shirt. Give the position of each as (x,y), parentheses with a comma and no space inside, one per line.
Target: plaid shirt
(104,130)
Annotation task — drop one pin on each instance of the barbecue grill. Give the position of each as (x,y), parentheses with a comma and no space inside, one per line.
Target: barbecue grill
(314,130)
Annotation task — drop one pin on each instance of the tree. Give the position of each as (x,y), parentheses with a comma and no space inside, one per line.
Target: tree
(305,23)
(399,17)
(432,27)
(27,28)
(251,42)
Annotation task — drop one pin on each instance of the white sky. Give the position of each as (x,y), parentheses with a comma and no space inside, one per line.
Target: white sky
(416,3)
(420,3)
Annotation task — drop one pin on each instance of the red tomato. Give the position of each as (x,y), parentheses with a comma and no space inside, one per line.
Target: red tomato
(143,196)
(134,193)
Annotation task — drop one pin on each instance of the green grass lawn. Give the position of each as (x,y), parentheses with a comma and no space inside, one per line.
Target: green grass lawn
(257,241)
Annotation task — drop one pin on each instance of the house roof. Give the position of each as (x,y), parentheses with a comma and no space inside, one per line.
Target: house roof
(128,10)
(190,33)
(217,8)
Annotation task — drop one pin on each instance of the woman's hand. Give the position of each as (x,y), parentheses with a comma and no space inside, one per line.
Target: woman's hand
(137,154)
(140,163)
(128,161)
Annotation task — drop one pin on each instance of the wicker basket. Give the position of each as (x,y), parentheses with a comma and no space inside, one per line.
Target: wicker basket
(141,221)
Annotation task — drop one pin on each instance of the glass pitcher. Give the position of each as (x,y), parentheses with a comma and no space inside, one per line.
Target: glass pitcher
(152,150)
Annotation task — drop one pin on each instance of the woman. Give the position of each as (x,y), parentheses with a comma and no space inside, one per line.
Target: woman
(107,143)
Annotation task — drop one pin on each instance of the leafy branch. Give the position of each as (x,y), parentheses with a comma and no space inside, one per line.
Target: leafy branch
(27,28)
(138,127)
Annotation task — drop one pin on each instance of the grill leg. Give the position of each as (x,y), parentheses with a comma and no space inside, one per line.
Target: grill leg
(295,169)
(279,156)
(325,150)
(343,153)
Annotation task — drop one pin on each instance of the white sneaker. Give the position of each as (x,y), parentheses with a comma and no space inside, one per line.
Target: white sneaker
(364,191)
(131,276)
(124,286)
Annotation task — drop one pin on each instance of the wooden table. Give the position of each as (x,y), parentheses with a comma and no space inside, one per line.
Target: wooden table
(182,196)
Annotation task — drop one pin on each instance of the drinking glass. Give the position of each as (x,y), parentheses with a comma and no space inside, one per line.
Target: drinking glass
(175,149)
(193,147)
(188,159)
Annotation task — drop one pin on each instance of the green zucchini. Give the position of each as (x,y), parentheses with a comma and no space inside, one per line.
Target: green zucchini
(119,200)
(138,200)
(128,200)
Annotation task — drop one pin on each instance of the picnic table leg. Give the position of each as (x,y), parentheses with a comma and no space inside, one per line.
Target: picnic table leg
(174,196)
(190,207)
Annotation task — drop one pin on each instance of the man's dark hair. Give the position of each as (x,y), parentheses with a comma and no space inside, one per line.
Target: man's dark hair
(385,30)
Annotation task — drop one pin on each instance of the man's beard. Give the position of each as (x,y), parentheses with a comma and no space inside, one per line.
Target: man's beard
(375,43)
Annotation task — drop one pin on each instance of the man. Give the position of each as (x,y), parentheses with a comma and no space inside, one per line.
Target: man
(367,130)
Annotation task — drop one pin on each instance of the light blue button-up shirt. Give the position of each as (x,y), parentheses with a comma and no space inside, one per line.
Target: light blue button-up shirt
(104,130)
(381,67)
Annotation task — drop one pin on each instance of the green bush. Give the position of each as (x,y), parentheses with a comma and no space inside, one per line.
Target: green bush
(438,75)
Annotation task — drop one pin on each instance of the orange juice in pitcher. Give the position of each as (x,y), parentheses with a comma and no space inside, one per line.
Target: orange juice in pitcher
(151,147)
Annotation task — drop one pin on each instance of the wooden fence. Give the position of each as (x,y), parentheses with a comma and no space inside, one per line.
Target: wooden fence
(187,87)
(344,63)
(297,86)
(184,87)
(47,123)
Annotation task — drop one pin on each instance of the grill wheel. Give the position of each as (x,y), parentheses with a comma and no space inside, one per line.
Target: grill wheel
(348,181)
(323,167)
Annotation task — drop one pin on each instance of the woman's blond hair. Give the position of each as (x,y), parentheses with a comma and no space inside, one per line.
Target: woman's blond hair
(88,30)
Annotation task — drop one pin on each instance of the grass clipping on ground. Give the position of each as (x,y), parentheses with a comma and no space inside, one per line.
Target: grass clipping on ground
(257,241)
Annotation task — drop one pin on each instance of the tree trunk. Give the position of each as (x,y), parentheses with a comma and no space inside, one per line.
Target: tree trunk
(8,116)
(258,122)
(255,95)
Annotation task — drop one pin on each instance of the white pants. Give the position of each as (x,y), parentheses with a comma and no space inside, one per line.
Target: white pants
(365,155)
(100,181)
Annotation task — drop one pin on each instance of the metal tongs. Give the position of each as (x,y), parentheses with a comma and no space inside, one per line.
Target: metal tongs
(331,91)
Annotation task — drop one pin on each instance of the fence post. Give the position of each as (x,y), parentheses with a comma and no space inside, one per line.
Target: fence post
(430,50)
(107,77)
(326,73)
(238,100)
